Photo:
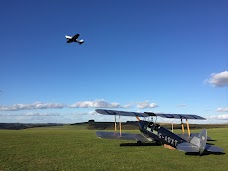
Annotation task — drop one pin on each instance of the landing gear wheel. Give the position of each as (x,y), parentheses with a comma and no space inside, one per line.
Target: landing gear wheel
(139,142)
(158,143)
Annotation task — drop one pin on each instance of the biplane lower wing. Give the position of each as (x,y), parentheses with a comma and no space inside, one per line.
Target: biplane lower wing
(122,136)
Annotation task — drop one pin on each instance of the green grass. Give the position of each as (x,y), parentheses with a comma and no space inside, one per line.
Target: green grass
(70,148)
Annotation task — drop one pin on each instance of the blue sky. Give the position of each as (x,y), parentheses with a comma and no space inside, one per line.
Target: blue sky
(160,56)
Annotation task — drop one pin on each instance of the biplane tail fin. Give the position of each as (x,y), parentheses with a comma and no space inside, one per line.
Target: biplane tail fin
(197,144)
(200,141)
(203,140)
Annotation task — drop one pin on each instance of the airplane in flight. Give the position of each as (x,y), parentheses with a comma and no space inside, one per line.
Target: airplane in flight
(71,39)
(153,132)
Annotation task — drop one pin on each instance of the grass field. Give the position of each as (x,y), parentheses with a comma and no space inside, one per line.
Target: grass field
(75,148)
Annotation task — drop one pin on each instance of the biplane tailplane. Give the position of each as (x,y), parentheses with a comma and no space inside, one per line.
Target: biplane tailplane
(214,149)
(187,147)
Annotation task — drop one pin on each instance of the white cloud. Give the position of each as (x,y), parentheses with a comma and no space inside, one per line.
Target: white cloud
(146,104)
(220,117)
(219,79)
(36,105)
(222,109)
(181,105)
(97,104)
(82,104)
(93,112)
(29,114)
(127,106)
(35,117)
(41,114)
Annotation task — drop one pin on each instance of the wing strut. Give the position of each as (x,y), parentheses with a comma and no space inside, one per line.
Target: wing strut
(182,125)
(115,123)
(172,126)
(120,125)
(137,118)
(188,127)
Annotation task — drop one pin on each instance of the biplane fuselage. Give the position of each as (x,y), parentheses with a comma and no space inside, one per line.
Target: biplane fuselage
(160,134)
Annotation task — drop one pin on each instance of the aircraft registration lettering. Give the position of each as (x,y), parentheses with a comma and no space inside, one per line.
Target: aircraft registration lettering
(168,139)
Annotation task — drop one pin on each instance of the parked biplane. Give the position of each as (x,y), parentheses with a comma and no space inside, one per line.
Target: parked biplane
(153,132)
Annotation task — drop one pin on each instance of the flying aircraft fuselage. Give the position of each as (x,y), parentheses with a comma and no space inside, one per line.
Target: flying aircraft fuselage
(71,39)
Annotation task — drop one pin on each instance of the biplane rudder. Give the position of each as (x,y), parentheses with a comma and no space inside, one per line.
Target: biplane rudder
(200,141)
(203,140)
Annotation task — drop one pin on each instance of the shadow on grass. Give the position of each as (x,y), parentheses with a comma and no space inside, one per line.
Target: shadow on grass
(205,153)
(138,144)
(210,144)
(211,140)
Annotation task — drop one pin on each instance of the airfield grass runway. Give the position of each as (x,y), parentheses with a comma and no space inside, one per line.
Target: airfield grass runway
(76,148)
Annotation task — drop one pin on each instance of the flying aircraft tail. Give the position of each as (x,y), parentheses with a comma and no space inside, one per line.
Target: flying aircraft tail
(80,41)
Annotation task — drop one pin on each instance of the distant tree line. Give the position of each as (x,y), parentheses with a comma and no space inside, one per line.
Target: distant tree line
(92,125)
(18,126)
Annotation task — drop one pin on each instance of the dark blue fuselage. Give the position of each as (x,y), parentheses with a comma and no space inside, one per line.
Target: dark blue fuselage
(159,133)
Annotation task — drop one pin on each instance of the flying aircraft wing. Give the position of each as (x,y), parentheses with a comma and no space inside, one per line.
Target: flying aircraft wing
(68,37)
(122,136)
(121,113)
(75,36)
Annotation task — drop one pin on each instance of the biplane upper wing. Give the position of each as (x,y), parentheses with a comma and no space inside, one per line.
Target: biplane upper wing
(147,114)
(176,116)
(121,113)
